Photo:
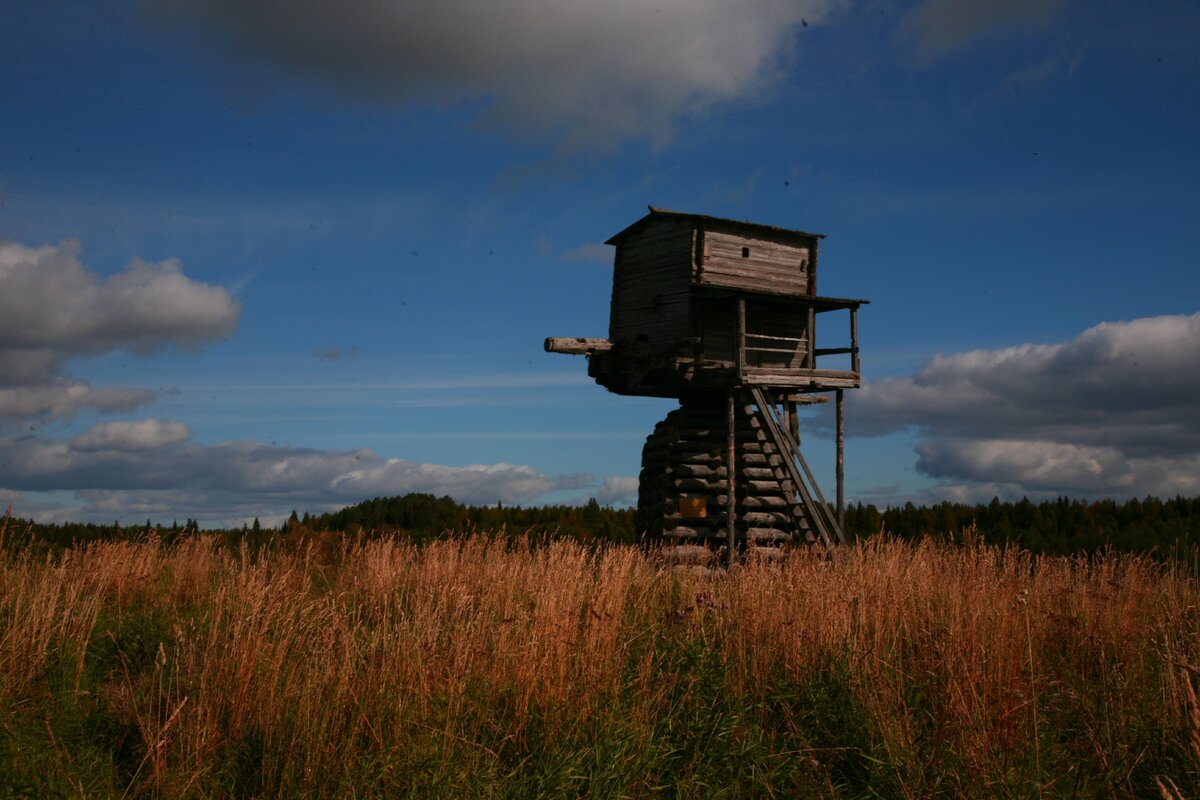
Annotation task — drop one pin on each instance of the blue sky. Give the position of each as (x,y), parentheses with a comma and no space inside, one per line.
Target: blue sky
(253,261)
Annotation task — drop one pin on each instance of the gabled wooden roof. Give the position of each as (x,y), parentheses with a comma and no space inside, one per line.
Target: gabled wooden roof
(749,227)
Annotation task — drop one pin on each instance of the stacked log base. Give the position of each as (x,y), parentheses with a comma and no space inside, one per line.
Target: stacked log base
(683,487)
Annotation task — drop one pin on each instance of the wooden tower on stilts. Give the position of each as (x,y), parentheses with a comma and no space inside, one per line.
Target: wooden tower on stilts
(722,315)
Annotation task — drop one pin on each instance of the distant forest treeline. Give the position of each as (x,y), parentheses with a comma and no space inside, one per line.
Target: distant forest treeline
(1055,527)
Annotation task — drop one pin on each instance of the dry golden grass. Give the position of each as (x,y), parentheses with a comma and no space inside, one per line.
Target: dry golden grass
(489,667)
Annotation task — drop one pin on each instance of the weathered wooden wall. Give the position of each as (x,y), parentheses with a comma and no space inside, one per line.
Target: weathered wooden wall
(750,262)
(717,328)
(651,286)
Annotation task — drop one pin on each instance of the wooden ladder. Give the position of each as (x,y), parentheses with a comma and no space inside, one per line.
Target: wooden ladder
(811,506)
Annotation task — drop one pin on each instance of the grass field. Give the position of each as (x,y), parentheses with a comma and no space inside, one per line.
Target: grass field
(493,667)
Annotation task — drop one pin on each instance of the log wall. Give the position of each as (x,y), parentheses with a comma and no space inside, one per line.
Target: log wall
(684,468)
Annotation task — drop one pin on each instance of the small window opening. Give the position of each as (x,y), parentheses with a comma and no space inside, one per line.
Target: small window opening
(745,252)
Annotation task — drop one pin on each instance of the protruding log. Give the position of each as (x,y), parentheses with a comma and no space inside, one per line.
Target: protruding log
(574,346)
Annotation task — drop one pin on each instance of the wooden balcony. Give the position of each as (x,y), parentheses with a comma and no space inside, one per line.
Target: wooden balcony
(798,369)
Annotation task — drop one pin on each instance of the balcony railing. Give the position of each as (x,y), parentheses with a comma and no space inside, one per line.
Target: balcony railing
(801,364)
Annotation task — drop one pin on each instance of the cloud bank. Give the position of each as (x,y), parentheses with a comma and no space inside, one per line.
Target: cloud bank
(52,309)
(618,491)
(144,468)
(592,73)
(144,434)
(1113,412)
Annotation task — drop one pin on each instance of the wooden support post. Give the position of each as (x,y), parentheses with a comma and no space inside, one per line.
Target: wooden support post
(740,344)
(841,464)
(731,483)
(793,420)
(812,338)
(854,339)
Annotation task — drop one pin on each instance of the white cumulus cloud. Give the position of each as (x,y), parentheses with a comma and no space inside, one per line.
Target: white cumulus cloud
(65,398)
(143,434)
(618,490)
(53,308)
(49,302)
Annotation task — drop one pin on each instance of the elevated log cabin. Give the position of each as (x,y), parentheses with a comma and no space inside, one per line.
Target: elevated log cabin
(723,315)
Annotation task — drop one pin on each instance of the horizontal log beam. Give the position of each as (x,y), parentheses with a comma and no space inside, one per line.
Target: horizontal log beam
(576,346)
(818,379)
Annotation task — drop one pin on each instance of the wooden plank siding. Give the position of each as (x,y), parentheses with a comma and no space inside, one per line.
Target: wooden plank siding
(754,263)
(717,329)
(651,286)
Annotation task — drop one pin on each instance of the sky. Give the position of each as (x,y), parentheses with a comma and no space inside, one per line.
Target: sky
(255,260)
